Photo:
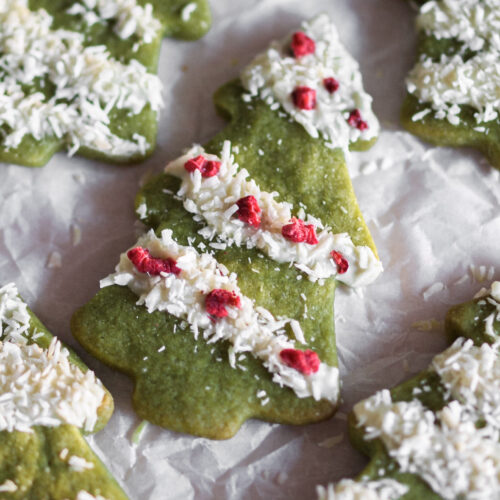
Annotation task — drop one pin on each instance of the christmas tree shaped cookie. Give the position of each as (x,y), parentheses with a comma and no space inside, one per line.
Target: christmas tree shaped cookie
(48,397)
(80,75)
(223,311)
(453,90)
(437,436)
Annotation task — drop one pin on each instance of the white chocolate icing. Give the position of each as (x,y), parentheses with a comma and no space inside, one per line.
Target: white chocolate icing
(476,23)
(215,198)
(452,82)
(446,449)
(40,386)
(250,329)
(129,18)
(347,489)
(274,74)
(89,84)
(455,80)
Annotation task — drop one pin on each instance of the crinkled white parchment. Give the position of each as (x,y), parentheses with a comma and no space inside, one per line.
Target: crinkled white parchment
(433,213)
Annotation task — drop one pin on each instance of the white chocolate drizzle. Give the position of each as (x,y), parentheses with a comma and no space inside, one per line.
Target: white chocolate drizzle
(40,386)
(455,80)
(128,17)
(347,489)
(88,83)
(447,449)
(274,74)
(215,198)
(476,23)
(250,329)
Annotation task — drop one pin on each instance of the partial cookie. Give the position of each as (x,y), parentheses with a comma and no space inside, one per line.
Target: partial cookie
(437,435)
(453,90)
(48,398)
(265,212)
(80,75)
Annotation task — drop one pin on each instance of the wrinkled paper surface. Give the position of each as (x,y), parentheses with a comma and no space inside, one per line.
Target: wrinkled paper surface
(433,213)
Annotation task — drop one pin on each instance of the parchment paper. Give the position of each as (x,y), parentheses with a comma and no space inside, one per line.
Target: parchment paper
(433,213)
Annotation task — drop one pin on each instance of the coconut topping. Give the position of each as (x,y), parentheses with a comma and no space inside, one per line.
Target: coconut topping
(14,316)
(449,450)
(128,17)
(347,489)
(216,200)
(476,23)
(299,72)
(459,79)
(40,386)
(88,84)
(248,327)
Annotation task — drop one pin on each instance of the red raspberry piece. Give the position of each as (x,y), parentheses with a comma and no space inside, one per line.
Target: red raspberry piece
(304,98)
(144,263)
(208,168)
(331,84)
(249,210)
(298,232)
(305,362)
(302,45)
(355,120)
(341,261)
(217,300)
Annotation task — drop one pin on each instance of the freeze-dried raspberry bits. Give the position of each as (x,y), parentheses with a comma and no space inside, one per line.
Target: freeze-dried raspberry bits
(302,45)
(341,261)
(217,300)
(249,210)
(305,362)
(208,168)
(331,85)
(299,232)
(144,263)
(356,121)
(304,98)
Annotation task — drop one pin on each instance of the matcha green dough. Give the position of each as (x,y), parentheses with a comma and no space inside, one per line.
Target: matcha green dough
(123,123)
(464,320)
(440,132)
(190,386)
(33,461)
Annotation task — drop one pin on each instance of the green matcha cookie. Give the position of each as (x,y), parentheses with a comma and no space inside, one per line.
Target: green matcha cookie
(436,436)
(48,398)
(453,90)
(80,75)
(226,312)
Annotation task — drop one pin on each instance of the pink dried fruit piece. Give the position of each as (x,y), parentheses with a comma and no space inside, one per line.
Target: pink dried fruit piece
(144,263)
(217,300)
(299,232)
(302,45)
(306,362)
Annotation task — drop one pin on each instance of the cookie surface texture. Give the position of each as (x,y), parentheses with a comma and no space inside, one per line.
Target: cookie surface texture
(49,399)
(453,89)
(427,436)
(80,75)
(204,377)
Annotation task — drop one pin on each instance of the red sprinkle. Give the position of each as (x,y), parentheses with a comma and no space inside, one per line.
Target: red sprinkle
(355,120)
(208,168)
(305,362)
(144,263)
(331,84)
(217,300)
(304,97)
(298,232)
(341,261)
(302,44)
(249,210)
